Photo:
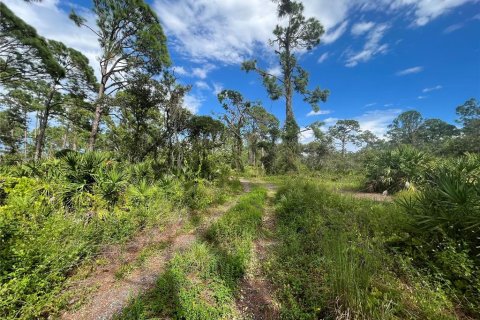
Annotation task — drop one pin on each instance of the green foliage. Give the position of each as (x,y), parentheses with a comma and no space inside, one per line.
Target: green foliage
(56,214)
(200,282)
(394,169)
(345,131)
(405,127)
(25,53)
(299,33)
(446,221)
(334,260)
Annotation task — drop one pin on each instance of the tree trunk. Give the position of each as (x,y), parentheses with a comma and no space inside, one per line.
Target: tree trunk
(43,126)
(25,137)
(65,136)
(291,127)
(97,118)
(238,151)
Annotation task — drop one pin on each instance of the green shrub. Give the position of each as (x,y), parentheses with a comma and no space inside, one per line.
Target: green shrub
(198,194)
(392,169)
(445,216)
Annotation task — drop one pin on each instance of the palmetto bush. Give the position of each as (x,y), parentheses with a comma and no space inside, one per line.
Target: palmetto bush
(82,168)
(110,183)
(445,214)
(392,169)
(449,202)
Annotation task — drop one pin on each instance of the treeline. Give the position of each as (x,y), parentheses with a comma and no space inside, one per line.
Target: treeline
(434,136)
(51,99)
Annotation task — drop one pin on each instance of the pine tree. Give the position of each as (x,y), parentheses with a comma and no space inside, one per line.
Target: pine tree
(132,41)
(297,34)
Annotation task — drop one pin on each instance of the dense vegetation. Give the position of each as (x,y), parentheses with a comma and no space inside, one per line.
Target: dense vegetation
(340,257)
(89,162)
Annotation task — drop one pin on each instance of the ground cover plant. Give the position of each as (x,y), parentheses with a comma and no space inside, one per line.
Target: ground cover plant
(57,214)
(340,257)
(201,283)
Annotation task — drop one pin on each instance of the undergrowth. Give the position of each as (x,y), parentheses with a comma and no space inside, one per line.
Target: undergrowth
(336,260)
(57,214)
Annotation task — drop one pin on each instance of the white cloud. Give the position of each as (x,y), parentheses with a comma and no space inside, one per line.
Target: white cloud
(203,71)
(421,97)
(276,71)
(180,71)
(408,71)
(377,121)
(318,113)
(202,85)
(370,104)
(428,10)
(362,27)
(432,89)
(323,57)
(192,102)
(453,28)
(330,121)
(306,136)
(231,30)
(53,23)
(217,88)
(372,47)
(333,34)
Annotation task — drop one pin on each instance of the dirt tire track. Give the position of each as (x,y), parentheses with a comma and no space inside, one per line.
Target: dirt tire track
(112,294)
(255,299)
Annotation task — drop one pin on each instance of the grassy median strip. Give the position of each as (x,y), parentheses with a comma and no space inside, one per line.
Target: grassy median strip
(200,283)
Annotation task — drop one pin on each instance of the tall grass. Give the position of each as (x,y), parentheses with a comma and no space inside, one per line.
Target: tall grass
(333,259)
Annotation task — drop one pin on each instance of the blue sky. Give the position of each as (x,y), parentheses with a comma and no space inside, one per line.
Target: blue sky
(378,58)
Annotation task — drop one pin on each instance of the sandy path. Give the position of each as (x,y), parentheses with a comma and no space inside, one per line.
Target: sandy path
(255,299)
(112,294)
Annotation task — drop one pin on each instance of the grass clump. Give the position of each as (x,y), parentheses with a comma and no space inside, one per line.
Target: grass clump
(336,259)
(200,283)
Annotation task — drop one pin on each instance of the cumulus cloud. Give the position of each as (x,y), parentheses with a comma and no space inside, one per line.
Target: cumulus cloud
(306,136)
(180,71)
(229,31)
(275,71)
(408,71)
(432,89)
(377,121)
(202,72)
(372,47)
